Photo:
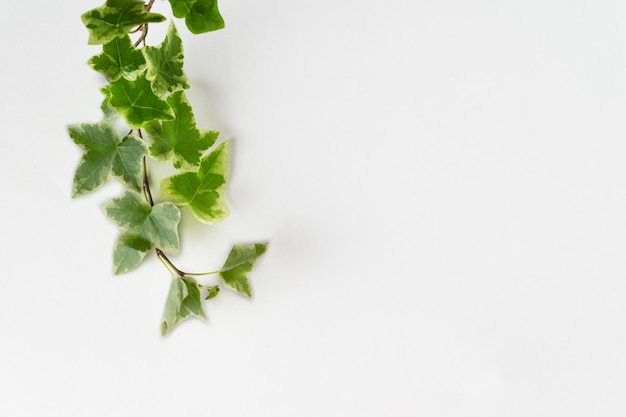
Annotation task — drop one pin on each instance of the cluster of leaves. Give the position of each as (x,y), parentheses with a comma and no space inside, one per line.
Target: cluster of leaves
(146,89)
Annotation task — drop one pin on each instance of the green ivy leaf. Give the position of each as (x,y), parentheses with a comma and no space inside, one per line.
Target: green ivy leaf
(116,18)
(136,102)
(183,301)
(165,64)
(200,15)
(144,227)
(107,111)
(119,58)
(129,251)
(106,154)
(238,265)
(157,224)
(179,139)
(202,190)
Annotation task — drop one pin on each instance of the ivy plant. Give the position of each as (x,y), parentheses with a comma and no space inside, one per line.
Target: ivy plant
(145,94)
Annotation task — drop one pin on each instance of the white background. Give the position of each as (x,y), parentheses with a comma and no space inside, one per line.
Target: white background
(443,184)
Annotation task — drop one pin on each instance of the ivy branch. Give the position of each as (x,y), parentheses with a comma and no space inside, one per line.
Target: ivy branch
(143,28)
(145,185)
(146,88)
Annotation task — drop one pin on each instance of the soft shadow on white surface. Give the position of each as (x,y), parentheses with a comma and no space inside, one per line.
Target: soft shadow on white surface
(442,185)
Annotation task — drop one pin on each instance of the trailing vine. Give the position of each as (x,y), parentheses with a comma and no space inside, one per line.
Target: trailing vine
(146,92)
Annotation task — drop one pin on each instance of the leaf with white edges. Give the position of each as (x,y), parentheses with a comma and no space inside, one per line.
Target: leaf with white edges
(106,154)
(200,15)
(136,102)
(116,18)
(179,139)
(144,227)
(183,301)
(119,58)
(165,64)
(202,190)
(238,266)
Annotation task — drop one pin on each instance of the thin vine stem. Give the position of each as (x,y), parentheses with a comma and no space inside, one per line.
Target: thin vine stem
(165,264)
(201,274)
(148,196)
(169,263)
(162,256)
(142,38)
(145,183)
(143,28)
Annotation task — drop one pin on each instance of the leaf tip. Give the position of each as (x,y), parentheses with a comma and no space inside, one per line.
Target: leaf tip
(261,247)
(163,328)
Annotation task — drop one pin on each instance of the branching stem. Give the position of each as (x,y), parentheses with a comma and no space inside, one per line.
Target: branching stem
(169,263)
(143,28)
(142,38)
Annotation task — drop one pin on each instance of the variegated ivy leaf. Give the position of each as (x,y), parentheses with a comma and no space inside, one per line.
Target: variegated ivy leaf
(130,249)
(202,190)
(136,102)
(165,64)
(238,265)
(183,301)
(179,139)
(144,227)
(116,18)
(107,111)
(106,154)
(200,15)
(119,58)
